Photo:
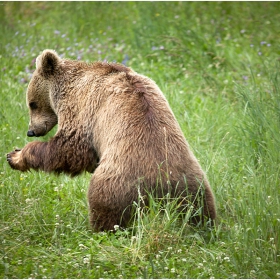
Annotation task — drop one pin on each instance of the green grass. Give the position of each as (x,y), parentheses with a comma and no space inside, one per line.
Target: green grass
(218,63)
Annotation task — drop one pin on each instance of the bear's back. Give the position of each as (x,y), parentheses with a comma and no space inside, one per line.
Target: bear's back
(136,123)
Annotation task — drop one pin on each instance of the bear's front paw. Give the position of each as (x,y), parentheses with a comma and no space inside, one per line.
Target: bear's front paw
(15,160)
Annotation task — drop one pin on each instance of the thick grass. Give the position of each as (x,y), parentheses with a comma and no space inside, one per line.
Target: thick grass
(218,65)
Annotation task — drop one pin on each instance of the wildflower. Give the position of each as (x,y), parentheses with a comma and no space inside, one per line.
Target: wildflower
(82,246)
(252,273)
(172,270)
(184,260)
(86,260)
(242,31)
(116,227)
(125,59)
(76,265)
(259,53)
(227,259)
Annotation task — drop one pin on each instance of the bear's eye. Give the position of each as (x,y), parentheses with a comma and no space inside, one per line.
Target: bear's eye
(33,105)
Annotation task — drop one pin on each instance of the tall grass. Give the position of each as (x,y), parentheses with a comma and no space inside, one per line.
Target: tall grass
(218,65)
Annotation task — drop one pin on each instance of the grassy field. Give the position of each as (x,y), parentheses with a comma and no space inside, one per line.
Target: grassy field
(218,63)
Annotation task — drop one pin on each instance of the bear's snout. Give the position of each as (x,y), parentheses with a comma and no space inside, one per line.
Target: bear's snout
(30,133)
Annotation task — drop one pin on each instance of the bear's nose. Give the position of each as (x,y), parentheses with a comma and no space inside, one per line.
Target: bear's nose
(30,133)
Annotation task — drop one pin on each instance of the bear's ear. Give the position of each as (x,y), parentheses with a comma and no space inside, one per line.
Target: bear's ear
(47,63)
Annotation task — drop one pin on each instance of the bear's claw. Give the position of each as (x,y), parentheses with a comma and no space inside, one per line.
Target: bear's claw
(10,157)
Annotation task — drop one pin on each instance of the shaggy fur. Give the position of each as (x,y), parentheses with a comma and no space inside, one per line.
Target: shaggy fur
(117,124)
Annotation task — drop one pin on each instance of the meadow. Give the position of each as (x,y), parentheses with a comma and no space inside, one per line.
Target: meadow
(218,64)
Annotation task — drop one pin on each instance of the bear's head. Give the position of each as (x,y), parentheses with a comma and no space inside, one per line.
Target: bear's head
(42,114)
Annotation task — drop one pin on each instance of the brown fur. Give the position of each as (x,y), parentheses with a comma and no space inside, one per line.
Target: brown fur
(106,112)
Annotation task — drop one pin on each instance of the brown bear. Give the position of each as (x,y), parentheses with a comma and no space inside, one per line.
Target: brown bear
(117,124)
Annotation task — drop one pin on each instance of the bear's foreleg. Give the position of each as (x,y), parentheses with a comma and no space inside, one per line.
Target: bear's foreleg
(16,160)
(109,202)
(49,156)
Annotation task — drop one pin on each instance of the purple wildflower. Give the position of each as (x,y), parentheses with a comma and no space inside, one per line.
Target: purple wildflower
(125,59)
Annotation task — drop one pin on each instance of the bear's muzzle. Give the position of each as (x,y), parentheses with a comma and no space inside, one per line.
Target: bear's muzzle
(31,133)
